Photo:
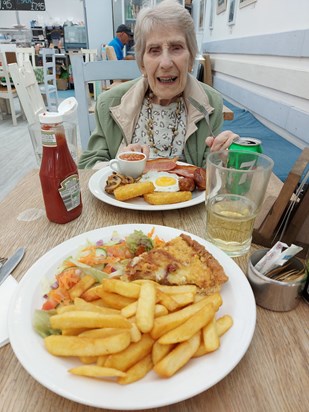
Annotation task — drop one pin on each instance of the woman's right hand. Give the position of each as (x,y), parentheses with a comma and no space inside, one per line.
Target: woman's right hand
(222,141)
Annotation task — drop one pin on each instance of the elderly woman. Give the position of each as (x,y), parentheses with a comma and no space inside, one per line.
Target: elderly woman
(153,114)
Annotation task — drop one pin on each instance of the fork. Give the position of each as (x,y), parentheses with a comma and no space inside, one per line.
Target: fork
(204,112)
(2,261)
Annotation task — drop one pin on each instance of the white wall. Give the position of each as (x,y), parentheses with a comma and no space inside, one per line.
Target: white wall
(56,13)
(263,16)
(261,62)
(99,20)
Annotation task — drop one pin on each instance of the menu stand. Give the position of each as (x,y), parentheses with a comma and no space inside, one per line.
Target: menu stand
(297,229)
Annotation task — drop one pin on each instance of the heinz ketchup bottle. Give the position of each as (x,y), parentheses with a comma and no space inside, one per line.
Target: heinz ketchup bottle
(58,173)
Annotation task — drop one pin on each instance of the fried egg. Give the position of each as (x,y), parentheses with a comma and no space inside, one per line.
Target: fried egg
(163,181)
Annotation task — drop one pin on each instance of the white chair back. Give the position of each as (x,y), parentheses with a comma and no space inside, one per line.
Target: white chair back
(91,55)
(7,90)
(49,88)
(110,53)
(28,90)
(96,71)
(25,54)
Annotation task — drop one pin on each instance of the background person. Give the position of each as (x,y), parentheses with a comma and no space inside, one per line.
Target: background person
(153,114)
(123,36)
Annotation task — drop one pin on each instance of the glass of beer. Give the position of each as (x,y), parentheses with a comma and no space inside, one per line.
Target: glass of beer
(236,183)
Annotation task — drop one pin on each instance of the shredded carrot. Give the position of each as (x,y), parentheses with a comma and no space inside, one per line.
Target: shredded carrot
(68,278)
(151,233)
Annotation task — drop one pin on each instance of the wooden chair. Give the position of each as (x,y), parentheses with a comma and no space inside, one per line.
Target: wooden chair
(49,88)
(25,54)
(95,71)
(110,53)
(91,55)
(28,90)
(7,90)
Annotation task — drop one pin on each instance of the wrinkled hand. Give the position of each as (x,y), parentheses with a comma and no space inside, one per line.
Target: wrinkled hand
(143,148)
(221,141)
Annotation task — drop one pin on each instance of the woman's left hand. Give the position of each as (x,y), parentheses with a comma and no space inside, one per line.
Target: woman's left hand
(222,141)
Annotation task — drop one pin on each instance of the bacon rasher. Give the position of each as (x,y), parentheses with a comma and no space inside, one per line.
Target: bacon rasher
(161,164)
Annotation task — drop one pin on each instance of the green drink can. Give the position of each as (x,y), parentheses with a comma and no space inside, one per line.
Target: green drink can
(242,157)
(248,144)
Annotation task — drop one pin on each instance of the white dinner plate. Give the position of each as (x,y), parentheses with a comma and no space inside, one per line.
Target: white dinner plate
(97,184)
(152,391)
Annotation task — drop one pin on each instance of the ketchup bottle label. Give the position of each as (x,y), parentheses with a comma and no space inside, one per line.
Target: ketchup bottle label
(70,192)
(48,138)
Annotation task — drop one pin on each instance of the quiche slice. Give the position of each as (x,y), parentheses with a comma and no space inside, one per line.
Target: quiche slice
(180,261)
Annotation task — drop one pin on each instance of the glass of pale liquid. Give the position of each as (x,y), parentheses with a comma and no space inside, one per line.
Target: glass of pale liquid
(236,183)
(36,140)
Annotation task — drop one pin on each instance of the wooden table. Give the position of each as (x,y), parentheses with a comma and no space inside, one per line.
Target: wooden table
(273,374)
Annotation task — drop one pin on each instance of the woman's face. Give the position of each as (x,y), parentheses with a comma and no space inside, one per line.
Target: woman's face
(166,62)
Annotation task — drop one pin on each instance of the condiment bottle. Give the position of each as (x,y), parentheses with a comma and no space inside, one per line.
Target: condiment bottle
(58,173)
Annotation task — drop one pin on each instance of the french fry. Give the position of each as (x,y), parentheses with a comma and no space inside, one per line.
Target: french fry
(95,371)
(191,326)
(87,360)
(146,307)
(167,301)
(133,190)
(91,320)
(136,335)
(81,304)
(100,333)
(115,301)
(100,302)
(137,371)
(130,290)
(67,308)
(183,299)
(160,310)
(59,345)
(176,290)
(159,351)
(210,336)
(84,284)
(165,198)
(129,310)
(131,355)
(101,360)
(223,324)
(92,293)
(141,281)
(163,324)
(73,331)
(178,357)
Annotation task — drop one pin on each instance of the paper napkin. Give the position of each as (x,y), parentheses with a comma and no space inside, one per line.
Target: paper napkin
(7,290)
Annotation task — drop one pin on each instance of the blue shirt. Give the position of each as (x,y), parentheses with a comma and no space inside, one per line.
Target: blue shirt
(118,47)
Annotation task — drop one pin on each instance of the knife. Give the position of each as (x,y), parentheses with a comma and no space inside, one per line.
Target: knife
(11,264)
(202,110)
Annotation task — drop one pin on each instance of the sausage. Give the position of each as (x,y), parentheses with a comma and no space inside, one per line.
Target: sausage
(186,184)
(200,178)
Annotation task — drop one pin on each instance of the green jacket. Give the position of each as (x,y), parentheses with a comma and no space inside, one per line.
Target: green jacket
(117,112)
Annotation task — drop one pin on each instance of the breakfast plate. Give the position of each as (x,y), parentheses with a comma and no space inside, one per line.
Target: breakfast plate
(96,186)
(152,391)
